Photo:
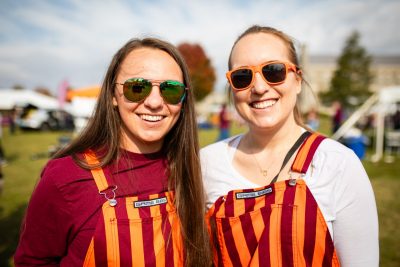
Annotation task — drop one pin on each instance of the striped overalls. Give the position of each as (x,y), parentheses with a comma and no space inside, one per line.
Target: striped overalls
(136,231)
(275,225)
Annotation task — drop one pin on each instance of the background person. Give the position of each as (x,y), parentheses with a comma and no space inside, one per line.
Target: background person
(223,123)
(107,199)
(277,182)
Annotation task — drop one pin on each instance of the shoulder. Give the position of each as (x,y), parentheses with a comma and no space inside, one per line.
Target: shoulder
(63,170)
(218,148)
(335,153)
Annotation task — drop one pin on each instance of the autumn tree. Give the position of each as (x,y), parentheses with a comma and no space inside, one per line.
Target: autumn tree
(352,77)
(43,91)
(201,71)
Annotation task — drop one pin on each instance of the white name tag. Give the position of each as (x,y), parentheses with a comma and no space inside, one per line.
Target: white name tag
(148,203)
(254,194)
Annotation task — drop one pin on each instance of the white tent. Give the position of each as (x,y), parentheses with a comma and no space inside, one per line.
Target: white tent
(381,103)
(9,98)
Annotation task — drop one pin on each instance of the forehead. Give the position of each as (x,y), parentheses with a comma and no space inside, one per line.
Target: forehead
(257,48)
(150,63)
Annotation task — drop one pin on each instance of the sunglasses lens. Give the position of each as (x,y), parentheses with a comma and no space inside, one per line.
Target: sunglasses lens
(241,78)
(172,91)
(275,72)
(136,89)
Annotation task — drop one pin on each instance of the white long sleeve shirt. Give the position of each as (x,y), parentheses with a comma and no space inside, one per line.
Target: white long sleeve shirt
(338,182)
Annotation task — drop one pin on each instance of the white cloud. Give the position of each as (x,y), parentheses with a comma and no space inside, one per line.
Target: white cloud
(41,43)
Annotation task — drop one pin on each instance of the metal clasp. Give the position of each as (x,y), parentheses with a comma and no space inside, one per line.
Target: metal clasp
(111,200)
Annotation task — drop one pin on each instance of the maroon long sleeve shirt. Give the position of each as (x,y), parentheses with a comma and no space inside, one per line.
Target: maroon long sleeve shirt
(65,206)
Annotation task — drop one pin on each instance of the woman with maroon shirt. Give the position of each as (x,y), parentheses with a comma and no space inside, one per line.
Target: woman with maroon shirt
(128,190)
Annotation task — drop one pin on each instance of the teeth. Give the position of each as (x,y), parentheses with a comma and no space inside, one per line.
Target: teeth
(150,117)
(264,104)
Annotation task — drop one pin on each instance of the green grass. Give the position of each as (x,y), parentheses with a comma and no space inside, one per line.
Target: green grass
(26,154)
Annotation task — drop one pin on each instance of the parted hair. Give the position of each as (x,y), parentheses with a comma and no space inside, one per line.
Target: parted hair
(293,57)
(103,133)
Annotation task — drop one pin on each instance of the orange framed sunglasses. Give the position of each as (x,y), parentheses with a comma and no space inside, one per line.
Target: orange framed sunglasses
(273,73)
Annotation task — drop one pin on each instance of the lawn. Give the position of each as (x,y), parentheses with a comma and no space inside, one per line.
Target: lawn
(26,154)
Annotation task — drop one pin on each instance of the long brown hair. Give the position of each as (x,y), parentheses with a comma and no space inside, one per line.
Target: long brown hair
(181,146)
(291,53)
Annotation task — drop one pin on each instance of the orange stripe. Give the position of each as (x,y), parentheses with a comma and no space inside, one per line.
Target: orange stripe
(112,240)
(159,245)
(320,235)
(259,227)
(275,236)
(240,241)
(111,229)
(154,210)
(97,173)
(279,191)
(136,235)
(299,222)
(221,212)
(89,259)
(176,239)
(302,154)
(258,224)
(335,260)
(226,261)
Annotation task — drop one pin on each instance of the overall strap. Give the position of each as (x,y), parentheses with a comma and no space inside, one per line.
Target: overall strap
(306,153)
(293,149)
(98,174)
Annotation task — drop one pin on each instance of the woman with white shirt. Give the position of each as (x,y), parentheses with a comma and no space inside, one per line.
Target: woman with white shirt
(279,195)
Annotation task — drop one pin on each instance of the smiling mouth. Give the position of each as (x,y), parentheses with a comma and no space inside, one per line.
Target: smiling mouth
(263,104)
(151,118)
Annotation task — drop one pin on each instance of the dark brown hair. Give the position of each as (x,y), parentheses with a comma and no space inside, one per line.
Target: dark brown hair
(103,133)
(291,53)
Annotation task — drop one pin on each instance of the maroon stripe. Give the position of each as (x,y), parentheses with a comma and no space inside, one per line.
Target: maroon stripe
(249,234)
(123,233)
(218,204)
(329,249)
(311,152)
(249,204)
(264,245)
(148,234)
(230,243)
(310,227)
(229,205)
(168,241)
(286,225)
(100,244)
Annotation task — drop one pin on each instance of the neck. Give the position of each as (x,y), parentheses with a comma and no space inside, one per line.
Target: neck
(132,144)
(272,139)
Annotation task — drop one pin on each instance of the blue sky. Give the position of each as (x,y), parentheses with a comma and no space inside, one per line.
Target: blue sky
(44,42)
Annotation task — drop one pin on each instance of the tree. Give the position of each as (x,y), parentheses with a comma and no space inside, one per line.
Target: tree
(202,73)
(352,77)
(43,91)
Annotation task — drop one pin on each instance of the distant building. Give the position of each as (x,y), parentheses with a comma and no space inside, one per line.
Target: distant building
(319,70)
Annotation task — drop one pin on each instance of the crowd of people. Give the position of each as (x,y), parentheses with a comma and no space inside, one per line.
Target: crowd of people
(133,188)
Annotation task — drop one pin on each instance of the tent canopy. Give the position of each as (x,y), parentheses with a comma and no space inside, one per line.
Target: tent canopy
(10,98)
(90,91)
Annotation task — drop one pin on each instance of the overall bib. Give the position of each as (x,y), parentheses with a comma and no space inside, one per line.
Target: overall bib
(134,231)
(275,225)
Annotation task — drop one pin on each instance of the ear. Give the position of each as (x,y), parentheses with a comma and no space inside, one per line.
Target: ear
(115,103)
(299,81)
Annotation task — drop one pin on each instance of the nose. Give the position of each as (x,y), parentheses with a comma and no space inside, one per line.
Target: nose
(154,100)
(260,86)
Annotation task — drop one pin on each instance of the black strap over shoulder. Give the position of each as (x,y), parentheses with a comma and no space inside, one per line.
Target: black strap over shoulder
(296,145)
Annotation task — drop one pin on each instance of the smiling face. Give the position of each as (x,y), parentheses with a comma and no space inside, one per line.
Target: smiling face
(145,124)
(263,106)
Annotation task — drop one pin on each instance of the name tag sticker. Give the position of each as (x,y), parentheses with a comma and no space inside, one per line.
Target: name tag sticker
(254,194)
(149,203)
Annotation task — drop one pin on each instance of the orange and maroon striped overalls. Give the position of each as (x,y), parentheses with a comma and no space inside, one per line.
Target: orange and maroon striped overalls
(136,231)
(275,225)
